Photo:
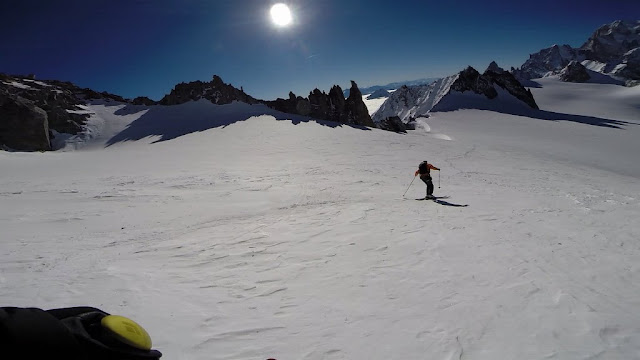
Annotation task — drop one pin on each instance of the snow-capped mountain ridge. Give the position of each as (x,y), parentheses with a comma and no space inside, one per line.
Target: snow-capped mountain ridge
(393,86)
(411,102)
(612,50)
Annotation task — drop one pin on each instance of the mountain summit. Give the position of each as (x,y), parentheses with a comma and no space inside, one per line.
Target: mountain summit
(613,49)
(215,91)
(468,88)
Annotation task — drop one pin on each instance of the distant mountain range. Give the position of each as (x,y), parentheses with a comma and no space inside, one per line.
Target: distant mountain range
(611,55)
(612,50)
(393,86)
(32,112)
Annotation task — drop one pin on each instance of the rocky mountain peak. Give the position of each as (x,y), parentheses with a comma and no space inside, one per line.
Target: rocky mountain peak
(574,72)
(215,91)
(606,49)
(445,94)
(332,106)
(611,41)
(493,66)
(34,110)
(356,111)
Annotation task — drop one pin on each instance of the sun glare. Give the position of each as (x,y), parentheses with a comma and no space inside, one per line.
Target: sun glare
(281,15)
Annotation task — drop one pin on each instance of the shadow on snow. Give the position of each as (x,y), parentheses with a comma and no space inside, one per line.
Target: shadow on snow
(170,122)
(545,115)
(446,203)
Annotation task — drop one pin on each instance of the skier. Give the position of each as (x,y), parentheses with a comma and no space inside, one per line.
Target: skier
(424,171)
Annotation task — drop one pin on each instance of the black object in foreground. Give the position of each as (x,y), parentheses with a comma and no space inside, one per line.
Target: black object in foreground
(77,333)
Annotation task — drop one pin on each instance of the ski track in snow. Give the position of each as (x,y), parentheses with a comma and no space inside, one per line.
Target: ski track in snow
(267,239)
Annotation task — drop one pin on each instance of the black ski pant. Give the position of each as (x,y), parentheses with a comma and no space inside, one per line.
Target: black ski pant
(427,180)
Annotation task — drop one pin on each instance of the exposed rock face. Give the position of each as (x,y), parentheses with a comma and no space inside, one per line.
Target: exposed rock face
(508,82)
(393,123)
(338,104)
(470,80)
(215,91)
(320,104)
(630,65)
(61,101)
(56,98)
(50,107)
(23,126)
(493,66)
(611,41)
(356,110)
(574,72)
(143,100)
(332,106)
(411,102)
(607,51)
(546,62)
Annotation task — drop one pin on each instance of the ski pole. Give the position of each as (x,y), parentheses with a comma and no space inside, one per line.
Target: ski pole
(405,192)
(438,179)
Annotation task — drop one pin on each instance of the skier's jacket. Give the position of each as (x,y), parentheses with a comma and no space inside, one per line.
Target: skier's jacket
(424,170)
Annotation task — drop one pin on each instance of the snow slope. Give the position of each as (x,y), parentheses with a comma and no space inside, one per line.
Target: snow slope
(374,104)
(245,236)
(408,102)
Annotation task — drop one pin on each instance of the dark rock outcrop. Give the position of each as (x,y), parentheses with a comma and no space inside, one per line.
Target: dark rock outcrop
(338,103)
(23,126)
(470,80)
(143,100)
(412,102)
(62,101)
(609,42)
(356,110)
(493,66)
(574,72)
(509,82)
(215,91)
(631,64)
(56,98)
(323,106)
(394,124)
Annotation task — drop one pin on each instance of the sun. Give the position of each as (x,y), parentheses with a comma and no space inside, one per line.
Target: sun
(281,15)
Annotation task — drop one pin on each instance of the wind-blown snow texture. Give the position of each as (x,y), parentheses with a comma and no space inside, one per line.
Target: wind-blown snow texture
(253,237)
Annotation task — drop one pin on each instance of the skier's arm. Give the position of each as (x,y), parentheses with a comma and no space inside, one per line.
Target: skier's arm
(417,172)
(433,167)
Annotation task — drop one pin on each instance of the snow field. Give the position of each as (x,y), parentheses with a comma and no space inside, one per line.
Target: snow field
(291,239)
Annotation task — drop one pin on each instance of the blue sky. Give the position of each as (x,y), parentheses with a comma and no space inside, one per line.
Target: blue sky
(145,47)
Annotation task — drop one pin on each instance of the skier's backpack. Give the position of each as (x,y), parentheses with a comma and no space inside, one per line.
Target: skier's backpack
(423,168)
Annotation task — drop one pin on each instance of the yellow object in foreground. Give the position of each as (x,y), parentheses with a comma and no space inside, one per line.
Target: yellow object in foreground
(127,331)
